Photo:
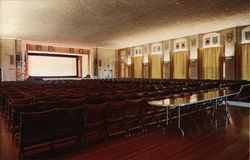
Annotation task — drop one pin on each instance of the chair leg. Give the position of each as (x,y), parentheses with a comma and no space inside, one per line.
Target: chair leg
(127,133)
(20,152)
(52,148)
(143,126)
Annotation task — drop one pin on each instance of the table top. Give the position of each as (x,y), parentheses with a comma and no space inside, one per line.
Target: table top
(193,98)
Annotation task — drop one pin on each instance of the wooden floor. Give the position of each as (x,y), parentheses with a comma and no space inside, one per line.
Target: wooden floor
(202,141)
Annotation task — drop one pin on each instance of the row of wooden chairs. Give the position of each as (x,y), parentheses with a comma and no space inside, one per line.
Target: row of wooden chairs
(85,123)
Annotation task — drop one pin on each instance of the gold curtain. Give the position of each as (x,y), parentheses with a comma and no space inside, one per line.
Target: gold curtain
(180,64)
(138,66)
(123,72)
(156,66)
(211,65)
(121,63)
(243,61)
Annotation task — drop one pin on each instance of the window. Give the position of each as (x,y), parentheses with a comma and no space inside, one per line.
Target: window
(211,40)
(156,48)
(246,35)
(180,44)
(138,51)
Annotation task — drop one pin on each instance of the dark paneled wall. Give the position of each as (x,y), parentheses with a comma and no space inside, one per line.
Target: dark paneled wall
(193,69)
(230,68)
(166,70)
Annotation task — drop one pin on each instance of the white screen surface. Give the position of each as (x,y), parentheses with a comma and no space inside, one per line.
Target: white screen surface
(52,66)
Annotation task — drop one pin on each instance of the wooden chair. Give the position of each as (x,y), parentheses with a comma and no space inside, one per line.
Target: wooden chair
(95,100)
(12,104)
(16,112)
(54,104)
(35,128)
(148,117)
(133,115)
(75,102)
(67,125)
(94,122)
(115,118)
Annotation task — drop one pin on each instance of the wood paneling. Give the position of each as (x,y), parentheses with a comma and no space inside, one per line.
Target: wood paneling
(193,70)
(33,47)
(230,68)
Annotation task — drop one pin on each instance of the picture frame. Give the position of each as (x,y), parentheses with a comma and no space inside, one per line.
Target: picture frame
(193,42)
(166,46)
(71,50)
(183,45)
(154,49)
(158,49)
(38,47)
(50,48)
(215,40)
(207,41)
(177,45)
(247,35)
(81,51)
(229,37)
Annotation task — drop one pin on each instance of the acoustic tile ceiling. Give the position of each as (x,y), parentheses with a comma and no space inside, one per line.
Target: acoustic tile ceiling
(117,23)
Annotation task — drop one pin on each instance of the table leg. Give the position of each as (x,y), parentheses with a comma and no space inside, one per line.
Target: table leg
(167,116)
(179,121)
(214,108)
(165,128)
(227,112)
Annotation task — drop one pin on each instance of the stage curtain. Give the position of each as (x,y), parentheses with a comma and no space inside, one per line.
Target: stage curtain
(156,65)
(243,61)
(137,66)
(211,63)
(180,64)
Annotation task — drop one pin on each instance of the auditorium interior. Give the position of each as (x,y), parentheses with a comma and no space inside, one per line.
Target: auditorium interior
(125,79)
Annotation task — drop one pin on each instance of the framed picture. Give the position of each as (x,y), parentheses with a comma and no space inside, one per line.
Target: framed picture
(182,45)
(158,49)
(71,50)
(166,46)
(38,47)
(247,35)
(177,45)
(193,42)
(50,48)
(207,41)
(215,40)
(229,37)
(81,51)
(154,49)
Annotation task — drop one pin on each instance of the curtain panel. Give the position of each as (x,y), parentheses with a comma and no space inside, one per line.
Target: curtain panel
(243,61)
(137,67)
(180,65)
(155,65)
(210,62)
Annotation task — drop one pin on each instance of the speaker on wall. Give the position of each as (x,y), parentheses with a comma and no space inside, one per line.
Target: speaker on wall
(18,58)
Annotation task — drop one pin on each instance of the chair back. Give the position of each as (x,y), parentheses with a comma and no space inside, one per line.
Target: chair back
(68,122)
(35,127)
(94,114)
(75,102)
(116,111)
(134,108)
